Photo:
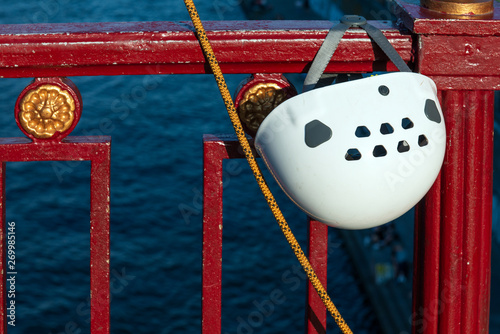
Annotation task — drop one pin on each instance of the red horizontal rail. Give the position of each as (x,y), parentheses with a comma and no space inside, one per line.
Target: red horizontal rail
(79,49)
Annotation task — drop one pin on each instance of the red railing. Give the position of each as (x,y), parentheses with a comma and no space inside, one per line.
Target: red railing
(453,230)
(216,149)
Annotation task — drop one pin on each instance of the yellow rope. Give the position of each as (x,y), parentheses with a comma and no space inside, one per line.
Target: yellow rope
(226,96)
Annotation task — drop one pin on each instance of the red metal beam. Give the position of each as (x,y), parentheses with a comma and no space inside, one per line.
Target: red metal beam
(97,150)
(171,48)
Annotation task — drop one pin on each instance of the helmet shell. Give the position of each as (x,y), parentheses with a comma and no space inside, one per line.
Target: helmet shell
(357,154)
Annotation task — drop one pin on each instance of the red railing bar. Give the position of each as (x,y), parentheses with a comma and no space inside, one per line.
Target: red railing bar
(426,307)
(453,212)
(318,256)
(99,242)
(215,150)
(486,207)
(477,236)
(472,234)
(212,235)
(171,48)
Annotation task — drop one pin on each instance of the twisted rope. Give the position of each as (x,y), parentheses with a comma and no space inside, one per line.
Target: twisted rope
(228,101)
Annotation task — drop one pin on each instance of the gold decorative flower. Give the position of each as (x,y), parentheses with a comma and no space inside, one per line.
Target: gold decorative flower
(47,110)
(257,103)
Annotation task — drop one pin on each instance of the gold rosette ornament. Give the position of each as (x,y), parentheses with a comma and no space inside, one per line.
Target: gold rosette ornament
(258,102)
(46,110)
(258,95)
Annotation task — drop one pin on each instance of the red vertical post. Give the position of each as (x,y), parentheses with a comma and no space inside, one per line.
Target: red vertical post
(453,230)
(213,154)
(453,226)
(99,243)
(466,214)
(318,256)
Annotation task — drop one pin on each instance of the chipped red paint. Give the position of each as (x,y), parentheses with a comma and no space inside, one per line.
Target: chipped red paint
(453,231)
(97,151)
(216,148)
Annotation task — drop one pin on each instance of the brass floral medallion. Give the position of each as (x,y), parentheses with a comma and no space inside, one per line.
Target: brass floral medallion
(46,110)
(258,102)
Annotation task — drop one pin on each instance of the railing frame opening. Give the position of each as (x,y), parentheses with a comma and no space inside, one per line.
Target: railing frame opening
(97,150)
(215,150)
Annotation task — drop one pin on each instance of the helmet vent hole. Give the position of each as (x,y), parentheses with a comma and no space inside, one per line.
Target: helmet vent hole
(317,133)
(406,123)
(431,111)
(422,141)
(403,146)
(353,154)
(379,151)
(386,129)
(362,132)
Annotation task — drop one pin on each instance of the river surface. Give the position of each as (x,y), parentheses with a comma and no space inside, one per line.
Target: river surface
(156,124)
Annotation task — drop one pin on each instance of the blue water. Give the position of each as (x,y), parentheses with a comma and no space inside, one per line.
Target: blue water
(156,124)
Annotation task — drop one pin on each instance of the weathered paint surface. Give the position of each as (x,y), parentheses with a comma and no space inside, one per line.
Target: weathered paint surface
(97,150)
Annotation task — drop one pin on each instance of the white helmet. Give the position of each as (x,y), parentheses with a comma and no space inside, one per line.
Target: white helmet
(357,154)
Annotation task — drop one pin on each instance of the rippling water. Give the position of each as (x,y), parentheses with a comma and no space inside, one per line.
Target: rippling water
(157,125)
